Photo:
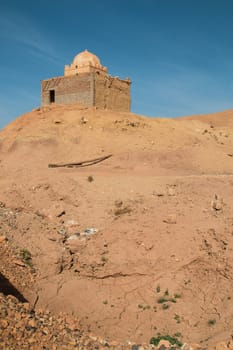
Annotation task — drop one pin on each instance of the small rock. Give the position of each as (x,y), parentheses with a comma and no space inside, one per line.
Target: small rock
(118,203)
(137,347)
(74,243)
(61,231)
(2,239)
(3,323)
(171,191)
(71,223)
(83,120)
(32,323)
(217,203)
(91,230)
(170,219)
(73,238)
(164,344)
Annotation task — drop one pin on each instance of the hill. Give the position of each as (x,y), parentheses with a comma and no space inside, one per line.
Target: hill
(138,244)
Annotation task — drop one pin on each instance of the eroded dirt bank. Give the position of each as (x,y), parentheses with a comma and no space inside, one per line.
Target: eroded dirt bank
(135,245)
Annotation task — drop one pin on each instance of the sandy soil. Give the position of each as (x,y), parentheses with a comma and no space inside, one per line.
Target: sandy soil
(161,257)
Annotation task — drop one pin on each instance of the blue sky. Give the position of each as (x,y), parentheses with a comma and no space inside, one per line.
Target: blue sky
(178,53)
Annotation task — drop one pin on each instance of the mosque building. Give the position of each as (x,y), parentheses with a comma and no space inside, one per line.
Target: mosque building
(87,82)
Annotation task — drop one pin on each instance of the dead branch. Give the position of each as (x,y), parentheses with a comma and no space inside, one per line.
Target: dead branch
(80,164)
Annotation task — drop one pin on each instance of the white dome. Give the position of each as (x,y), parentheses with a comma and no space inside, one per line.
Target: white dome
(86,58)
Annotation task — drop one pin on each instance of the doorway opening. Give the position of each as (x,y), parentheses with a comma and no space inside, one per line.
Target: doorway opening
(51,96)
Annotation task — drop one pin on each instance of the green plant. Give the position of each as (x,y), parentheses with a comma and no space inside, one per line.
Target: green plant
(26,256)
(173,300)
(211,322)
(143,307)
(178,335)
(158,288)
(90,178)
(162,300)
(166,292)
(177,318)
(104,259)
(173,340)
(177,295)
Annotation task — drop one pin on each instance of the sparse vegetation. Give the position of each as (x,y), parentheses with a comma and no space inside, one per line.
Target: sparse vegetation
(144,307)
(165,299)
(121,211)
(105,302)
(173,340)
(104,259)
(211,322)
(90,178)
(162,300)
(26,256)
(177,295)
(158,289)
(177,318)
(173,300)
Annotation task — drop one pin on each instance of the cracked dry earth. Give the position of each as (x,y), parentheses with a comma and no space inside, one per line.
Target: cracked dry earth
(139,244)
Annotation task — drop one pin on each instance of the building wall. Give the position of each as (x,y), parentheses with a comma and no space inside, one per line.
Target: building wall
(68,90)
(91,89)
(112,93)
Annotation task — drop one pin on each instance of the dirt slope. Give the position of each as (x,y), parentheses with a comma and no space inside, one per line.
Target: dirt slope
(160,259)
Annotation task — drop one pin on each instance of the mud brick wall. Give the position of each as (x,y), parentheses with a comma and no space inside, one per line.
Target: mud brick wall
(112,93)
(68,90)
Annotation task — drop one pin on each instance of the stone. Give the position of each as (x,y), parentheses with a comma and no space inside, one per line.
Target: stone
(162,347)
(2,239)
(136,347)
(217,204)
(164,343)
(171,191)
(118,203)
(3,323)
(74,243)
(32,323)
(170,219)
(83,120)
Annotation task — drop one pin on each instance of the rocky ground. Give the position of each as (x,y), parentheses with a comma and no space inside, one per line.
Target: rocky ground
(113,254)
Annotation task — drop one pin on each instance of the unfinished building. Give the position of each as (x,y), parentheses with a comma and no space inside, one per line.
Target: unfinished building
(87,82)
